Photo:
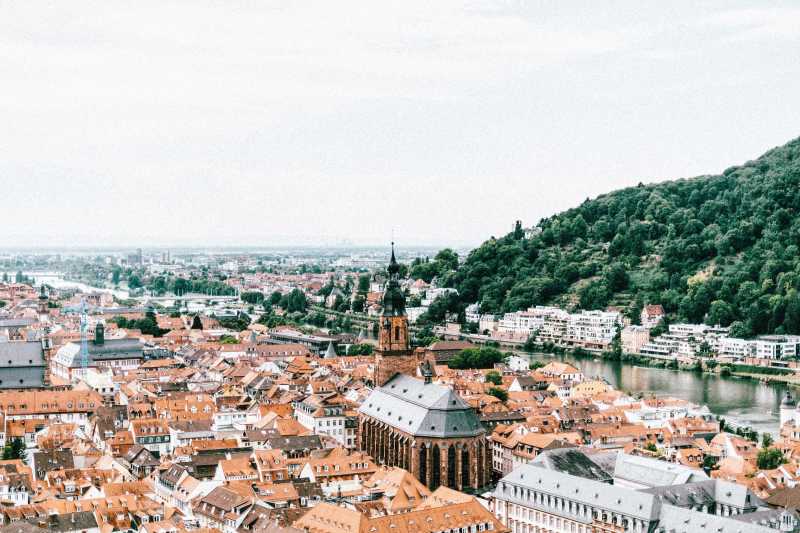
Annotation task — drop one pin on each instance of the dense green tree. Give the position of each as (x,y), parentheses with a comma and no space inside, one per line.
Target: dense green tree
(238,323)
(293,302)
(440,307)
(363,284)
(710,463)
(721,249)
(252,297)
(477,358)
(500,394)
(360,349)
(147,325)
(769,459)
(15,448)
(494,378)
(616,277)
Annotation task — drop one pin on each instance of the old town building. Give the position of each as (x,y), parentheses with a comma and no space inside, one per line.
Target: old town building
(393,354)
(422,427)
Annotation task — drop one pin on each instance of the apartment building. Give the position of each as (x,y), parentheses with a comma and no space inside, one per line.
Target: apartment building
(685,340)
(69,406)
(554,324)
(324,414)
(634,338)
(772,347)
(520,323)
(592,329)
(535,499)
(153,434)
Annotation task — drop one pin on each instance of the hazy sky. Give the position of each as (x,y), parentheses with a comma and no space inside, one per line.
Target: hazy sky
(263,122)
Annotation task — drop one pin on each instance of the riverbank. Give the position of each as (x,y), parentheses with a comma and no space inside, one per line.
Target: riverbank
(792,380)
(743,401)
(701,365)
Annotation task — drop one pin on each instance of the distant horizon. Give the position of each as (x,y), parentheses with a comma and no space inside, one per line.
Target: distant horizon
(249,248)
(439,122)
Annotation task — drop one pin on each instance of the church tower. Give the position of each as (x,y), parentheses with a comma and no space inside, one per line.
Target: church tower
(43,304)
(394,354)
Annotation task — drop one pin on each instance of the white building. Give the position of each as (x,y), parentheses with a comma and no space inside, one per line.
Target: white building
(324,415)
(520,323)
(542,500)
(685,340)
(414,313)
(432,293)
(472,313)
(771,347)
(592,329)
(517,363)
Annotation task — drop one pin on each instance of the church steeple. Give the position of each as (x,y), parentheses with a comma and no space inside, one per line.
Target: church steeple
(394,301)
(393,354)
(393,268)
(44,300)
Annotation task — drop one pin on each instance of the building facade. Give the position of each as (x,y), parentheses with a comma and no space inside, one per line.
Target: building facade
(393,354)
(412,423)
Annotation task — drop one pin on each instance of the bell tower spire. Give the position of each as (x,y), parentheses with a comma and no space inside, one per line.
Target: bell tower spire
(393,354)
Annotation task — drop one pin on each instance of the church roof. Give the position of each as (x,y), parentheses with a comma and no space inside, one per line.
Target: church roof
(21,364)
(21,353)
(421,409)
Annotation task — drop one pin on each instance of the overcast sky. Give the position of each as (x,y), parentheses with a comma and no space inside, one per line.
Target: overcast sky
(195,122)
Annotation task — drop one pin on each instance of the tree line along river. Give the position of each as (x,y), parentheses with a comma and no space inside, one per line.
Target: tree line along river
(742,401)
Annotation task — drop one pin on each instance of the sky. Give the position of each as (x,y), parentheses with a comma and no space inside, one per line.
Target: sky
(335,122)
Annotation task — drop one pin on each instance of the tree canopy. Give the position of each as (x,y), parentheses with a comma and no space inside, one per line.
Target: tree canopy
(477,358)
(717,249)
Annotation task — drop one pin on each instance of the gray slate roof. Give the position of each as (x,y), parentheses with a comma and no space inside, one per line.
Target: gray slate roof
(595,494)
(679,520)
(654,472)
(77,521)
(574,462)
(21,353)
(21,364)
(16,322)
(111,349)
(421,409)
(707,492)
(294,442)
(115,348)
(641,505)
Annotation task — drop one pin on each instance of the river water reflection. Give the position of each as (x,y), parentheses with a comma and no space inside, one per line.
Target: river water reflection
(742,401)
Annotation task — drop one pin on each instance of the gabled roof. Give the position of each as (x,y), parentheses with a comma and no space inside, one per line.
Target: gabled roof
(574,462)
(593,493)
(21,353)
(421,409)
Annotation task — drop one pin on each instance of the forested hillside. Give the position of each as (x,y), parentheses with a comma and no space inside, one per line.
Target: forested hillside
(716,249)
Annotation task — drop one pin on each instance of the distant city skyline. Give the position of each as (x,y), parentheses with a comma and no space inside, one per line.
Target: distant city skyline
(214,124)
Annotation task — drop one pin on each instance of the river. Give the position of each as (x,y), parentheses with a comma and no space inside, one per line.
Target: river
(56,280)
(742,401)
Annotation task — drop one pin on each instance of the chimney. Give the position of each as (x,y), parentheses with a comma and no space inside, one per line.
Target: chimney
(100,334)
